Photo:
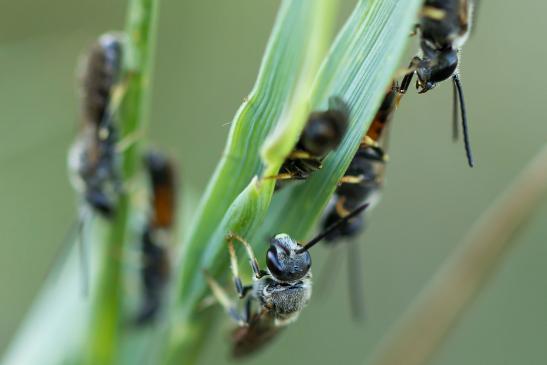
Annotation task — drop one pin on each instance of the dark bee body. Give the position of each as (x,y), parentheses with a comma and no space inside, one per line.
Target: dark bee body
(163,180)
(323,133)
(259,331)
(369,165)
(276,296)
(363,179)
(362,182)
(93,158)
(100,74)
(154,275)
(155,237)
(445,26)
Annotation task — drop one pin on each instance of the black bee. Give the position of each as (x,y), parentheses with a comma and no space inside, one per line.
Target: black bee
(445,26)
(156,235)
(93,160)
(277,295)
(323,133)
(364,177)
(362,182)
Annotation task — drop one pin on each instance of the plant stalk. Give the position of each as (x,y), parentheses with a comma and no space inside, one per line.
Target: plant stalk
(423,328)
(103,337)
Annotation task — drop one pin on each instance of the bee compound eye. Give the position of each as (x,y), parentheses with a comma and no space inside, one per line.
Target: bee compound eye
(272,261)
(287,268)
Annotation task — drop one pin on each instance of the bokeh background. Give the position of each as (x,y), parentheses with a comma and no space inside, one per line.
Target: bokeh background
(207,59)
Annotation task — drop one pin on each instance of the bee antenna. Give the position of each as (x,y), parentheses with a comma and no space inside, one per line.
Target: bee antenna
(332,227)
(455,114)
(459,91)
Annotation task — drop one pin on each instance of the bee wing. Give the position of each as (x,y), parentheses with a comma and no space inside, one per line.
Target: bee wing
(63,251)
(249,339)
(355,282)
(474,10)
(329,271)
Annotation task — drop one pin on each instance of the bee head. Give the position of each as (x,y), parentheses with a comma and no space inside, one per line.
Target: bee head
(437,68)
(284,261)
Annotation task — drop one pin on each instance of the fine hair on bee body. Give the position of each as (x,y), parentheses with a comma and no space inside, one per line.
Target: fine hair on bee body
(277,294)
(444,26)
(156,235)
(323,133)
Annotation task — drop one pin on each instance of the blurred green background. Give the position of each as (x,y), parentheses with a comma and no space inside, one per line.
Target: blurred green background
(207,59)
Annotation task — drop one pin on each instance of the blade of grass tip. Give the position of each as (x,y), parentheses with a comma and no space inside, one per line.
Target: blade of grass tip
(358,67)
(256,117)
(103,335)
(466,271)
(282,139)
(295,48)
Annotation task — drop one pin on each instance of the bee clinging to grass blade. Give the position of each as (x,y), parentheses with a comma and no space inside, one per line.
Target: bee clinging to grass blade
(322,134)
(444,26)
(156,235)
(93,159)
(362,183)
(277,295)
(364,176)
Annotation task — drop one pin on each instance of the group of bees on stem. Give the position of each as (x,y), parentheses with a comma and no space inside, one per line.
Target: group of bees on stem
(280,291)
(95,166)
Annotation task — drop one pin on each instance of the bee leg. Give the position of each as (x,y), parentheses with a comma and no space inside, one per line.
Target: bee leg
(367,141)
(408,77)
(300,155)
(254,262)
(220,295)
(248,309)
(240,288)
(341,208)
(414,30)
(348,179)
(283,176)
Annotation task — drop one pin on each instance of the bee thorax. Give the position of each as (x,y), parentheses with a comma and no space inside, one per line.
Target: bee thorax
(283,301)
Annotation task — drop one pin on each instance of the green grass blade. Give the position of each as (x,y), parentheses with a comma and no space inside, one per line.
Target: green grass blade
(103,340)
(63,326)
(234,200)
(358,68)
(291,82)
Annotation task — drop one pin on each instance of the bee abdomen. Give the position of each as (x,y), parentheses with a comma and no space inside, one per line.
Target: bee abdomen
(100,73)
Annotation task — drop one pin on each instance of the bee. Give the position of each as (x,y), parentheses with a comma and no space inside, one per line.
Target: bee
(364,176)
(277,295)
(445,26)
(323,133)
(156,235)
(362,182)
(93,160)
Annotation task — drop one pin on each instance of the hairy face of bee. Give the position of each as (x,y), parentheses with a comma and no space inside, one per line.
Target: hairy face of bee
(283,261)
